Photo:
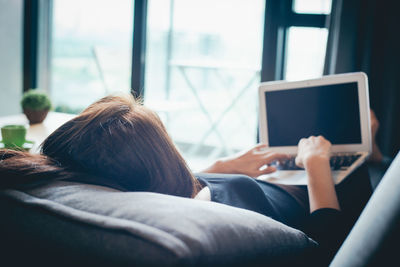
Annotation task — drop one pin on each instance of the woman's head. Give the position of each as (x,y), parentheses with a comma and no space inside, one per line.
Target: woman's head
(118,139)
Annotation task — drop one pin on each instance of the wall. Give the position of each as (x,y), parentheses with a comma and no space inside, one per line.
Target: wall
(11,38)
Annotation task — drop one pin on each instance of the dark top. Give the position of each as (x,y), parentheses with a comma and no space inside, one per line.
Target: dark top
(323,225)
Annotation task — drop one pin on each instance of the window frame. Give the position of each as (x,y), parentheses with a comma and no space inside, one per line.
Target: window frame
(279,16)
(30,44)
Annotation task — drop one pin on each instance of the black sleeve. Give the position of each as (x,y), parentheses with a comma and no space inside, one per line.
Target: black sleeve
(326,226)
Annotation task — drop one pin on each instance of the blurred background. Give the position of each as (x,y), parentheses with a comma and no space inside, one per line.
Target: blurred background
(197,63)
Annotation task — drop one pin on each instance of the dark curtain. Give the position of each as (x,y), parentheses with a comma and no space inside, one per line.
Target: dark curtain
(365,36)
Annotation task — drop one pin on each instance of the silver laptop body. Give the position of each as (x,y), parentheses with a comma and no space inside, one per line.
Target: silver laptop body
(334,106)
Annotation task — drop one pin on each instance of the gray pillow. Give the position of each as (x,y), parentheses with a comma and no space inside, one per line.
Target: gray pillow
(88,223)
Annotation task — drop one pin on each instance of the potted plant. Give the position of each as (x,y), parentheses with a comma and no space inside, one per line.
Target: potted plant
(36,104)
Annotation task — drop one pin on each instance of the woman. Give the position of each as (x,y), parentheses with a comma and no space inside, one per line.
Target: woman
(119,143)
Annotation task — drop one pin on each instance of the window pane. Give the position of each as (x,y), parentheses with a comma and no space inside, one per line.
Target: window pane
(306,49)
(202,72)
(91,51)
(312,6)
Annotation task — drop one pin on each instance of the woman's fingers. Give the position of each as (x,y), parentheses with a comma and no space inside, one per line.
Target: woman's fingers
(267,170)
(259,146)
(314,146)
(258,149)
(299,162)
(302,141)
(274,156)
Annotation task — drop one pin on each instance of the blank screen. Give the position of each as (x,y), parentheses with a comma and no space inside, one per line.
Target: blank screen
(330,110)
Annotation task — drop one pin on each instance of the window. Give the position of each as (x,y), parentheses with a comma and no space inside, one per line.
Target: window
(312,6)
(202,60)
(202,72)
(91,51)
(306,46)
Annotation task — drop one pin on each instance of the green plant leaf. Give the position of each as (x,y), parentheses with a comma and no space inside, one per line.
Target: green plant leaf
(36,100)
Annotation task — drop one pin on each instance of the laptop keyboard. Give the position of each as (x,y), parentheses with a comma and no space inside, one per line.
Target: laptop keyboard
(337,162)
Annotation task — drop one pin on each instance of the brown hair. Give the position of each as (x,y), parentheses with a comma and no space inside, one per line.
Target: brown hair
(115,139)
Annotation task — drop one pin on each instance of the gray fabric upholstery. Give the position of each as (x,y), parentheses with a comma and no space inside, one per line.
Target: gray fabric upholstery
(97,225)
(373,241)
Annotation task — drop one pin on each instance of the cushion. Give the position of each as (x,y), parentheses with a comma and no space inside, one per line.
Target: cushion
(80,223)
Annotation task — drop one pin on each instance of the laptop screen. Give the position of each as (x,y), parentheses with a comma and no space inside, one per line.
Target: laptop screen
(329,110)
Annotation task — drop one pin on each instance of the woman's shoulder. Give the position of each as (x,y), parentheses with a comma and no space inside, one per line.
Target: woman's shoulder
(214,182)
(226,182)
(204,194)
(232,189)
(221,178)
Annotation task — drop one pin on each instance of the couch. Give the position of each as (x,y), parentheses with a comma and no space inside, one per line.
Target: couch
(70,224)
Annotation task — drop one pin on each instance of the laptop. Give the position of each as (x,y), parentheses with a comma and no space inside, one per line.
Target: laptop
(334,106)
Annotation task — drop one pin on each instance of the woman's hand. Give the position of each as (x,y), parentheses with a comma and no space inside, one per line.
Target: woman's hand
(314,148)
(313,154)
(251,162)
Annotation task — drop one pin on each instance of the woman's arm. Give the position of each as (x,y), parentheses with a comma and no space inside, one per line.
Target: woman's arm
(252,162)
(314,154)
